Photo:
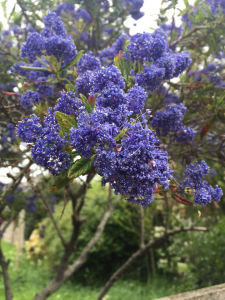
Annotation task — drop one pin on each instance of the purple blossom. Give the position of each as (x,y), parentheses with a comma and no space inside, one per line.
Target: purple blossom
(88,62)
(33,47)
(136,98)
(68,104)
(29,130)
(29,98)
(105,77)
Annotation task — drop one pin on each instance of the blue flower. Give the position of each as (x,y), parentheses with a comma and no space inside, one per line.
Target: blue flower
(88,62)
(29,98)
(106,77)
(33,47)
(203,192)
(112,97)
(151,78)
(68,104)
(62,48)
(136,98)
(136,166)
(53,26)
(29,130)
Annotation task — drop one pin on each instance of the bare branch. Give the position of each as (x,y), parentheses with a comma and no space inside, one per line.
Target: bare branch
(141,251)
(17,180)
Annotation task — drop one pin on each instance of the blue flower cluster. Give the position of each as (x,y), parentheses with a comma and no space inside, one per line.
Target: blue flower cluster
(112,126)
(88,62)
(134,6)
(170,120)
(68,103)
(216,5)
(29,98)
(107,55)
(49,148)
(210,73)
(53,40)
(154,48)
(31,204)
(194,183)
(64,8)
(105,77)
(11,133)
(136,166)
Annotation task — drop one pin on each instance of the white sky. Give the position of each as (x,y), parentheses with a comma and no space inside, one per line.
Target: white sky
(151,9)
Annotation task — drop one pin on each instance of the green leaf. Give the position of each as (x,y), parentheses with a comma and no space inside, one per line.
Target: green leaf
(87,105)
(69,86)
(186,3)
(201,12)
(121,134)
(73,61)
(80,167)
(127,42)
(52,80)
(59,183)
(65,121)
(34,69)
(74,154)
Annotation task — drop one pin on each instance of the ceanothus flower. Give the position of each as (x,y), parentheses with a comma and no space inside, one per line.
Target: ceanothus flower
(183,61)
(34,75)
(168,62)
(50,120)
(117,46)
(136,166)
(33,47)
(62,48)
(84,83)
(151,78)
(31,204)
(184,134)
(88,62)
(133,7)
(10,198)
(170,120)
(49,149)
(48,152)
(147,46)
(194,183)
(64,8)
(17,70)
(81,13)
(90,132)
(136,98)
(29,130)
(29,98)
(105,77)
(68,103)
(53,26)
(111,96)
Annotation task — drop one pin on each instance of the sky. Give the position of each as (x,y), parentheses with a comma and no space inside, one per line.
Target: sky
(145,24)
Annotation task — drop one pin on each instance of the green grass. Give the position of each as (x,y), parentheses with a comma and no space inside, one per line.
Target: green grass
(27,279)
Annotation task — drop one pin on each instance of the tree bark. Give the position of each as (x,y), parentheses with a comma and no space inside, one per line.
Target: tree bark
(4,265)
